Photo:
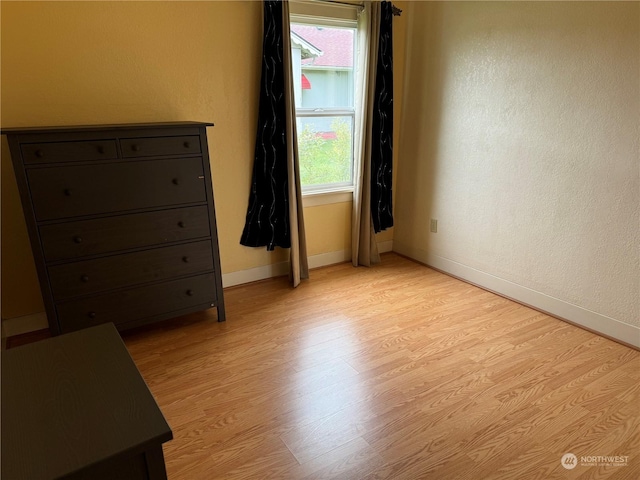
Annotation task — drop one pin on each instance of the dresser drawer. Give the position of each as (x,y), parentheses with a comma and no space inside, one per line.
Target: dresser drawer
(33,153)
(90,237)
(153,146)
(60,192)
(107,273)
(137,303)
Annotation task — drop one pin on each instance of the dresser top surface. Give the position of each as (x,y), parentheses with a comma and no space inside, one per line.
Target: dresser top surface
(98,128)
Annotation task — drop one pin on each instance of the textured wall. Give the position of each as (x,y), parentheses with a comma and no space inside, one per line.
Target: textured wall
(520,136)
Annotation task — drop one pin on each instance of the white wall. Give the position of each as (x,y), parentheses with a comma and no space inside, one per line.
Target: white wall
(520,135)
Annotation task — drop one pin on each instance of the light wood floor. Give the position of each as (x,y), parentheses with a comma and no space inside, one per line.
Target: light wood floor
(396,372)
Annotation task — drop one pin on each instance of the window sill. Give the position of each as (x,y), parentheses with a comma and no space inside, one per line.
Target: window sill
(315,199)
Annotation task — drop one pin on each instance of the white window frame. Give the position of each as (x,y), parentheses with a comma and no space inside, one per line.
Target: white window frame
(313,12)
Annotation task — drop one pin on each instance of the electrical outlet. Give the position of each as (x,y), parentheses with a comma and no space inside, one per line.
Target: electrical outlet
(434,226)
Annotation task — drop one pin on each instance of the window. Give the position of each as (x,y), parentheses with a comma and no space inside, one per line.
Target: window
(323,58)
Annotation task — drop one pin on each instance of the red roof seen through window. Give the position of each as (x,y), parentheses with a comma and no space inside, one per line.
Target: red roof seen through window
(336,45)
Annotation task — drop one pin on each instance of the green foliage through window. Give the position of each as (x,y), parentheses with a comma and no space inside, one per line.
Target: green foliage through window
(325,157)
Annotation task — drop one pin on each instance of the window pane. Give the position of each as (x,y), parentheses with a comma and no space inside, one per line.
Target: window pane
(325,149)
(322,60)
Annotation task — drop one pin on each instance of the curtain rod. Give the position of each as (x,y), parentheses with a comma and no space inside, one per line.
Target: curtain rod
(395,10)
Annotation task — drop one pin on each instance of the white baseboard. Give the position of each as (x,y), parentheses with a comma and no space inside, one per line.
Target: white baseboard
(254,274)
(607,326)
(329,258)
(282,268)
(25,324)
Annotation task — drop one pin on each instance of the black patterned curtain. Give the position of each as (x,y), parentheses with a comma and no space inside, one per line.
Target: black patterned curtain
(382,131)
(267,221)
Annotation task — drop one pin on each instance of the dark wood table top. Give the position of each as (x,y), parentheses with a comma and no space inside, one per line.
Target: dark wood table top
(72,401)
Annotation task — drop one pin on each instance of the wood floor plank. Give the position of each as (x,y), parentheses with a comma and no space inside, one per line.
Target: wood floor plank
(352,460)
(390,372)
(535,463)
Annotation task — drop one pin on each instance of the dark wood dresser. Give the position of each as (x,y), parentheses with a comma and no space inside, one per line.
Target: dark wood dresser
(76,407)
(121,220)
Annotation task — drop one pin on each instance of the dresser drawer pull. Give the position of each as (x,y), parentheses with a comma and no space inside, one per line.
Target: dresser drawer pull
(181,224)
(100,149)
(39,153)
(77,239)
(190,293)
(84,278)
(135,148)
(91,314)
(176,181)
(187,144)
(67,192)
(185,259)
